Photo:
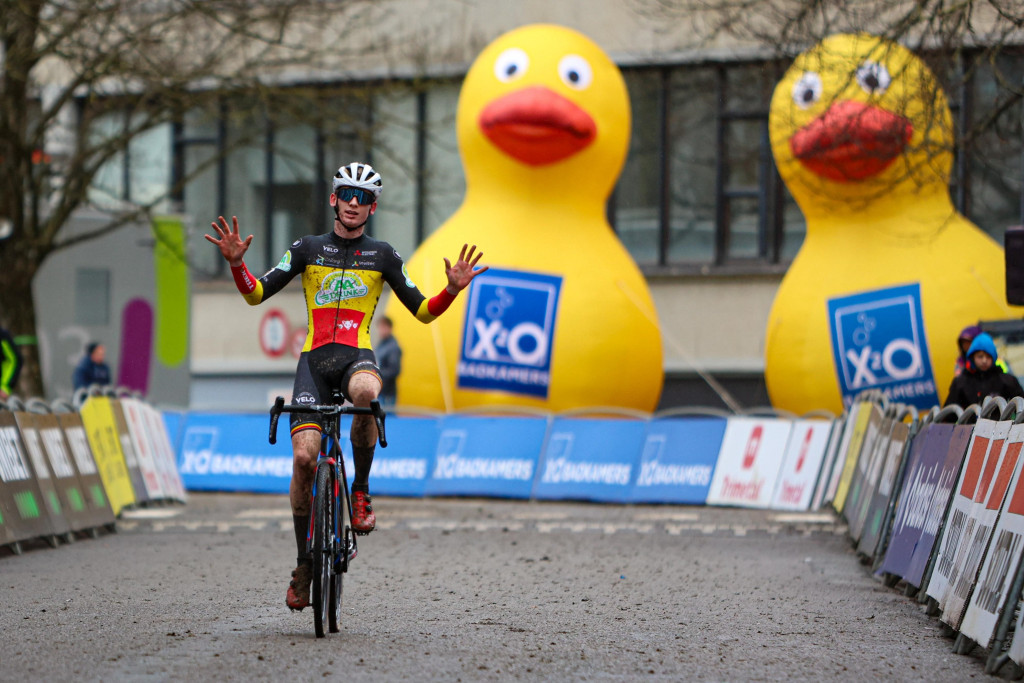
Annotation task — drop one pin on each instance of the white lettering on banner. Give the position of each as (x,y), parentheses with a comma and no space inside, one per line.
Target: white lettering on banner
(454,467)
(12,461)
(128,450)
(741,490)
(35,453)
(399,468)
(563,470)
(206,462)
(988,595)
(653,473)
(919,498)
(58,455)
(79,443)
(504,372)
(938,507)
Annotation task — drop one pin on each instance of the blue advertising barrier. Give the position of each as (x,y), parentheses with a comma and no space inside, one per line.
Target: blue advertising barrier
(486,456)
(230,452)
(403,468)
(924,467)
(678,460)
(174,420)
(590,459)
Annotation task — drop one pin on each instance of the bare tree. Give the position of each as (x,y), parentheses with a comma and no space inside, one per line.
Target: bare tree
(70,67)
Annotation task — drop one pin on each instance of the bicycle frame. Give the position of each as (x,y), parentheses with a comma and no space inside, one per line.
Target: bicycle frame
(331,456)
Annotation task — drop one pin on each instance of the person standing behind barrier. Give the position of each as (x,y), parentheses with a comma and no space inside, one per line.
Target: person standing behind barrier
(963,342)
(92,369)
(982,377)
(10,364)
(389,359)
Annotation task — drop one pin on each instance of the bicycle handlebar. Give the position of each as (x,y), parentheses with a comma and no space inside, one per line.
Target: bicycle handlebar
(329,409)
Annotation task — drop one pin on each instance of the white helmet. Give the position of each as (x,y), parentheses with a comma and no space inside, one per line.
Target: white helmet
(358,175)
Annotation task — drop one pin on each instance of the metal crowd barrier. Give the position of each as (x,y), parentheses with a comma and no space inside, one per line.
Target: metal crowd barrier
(68,469)
(935,503)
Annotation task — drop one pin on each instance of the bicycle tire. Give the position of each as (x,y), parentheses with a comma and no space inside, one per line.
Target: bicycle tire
(334,615)
(323,553)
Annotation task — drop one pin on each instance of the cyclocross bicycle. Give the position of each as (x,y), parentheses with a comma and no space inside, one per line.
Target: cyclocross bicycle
(331,540)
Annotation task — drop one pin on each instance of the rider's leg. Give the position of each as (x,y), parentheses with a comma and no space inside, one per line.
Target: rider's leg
(363,388)
(305,449)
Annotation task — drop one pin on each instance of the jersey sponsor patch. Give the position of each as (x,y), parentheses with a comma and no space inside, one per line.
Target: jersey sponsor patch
(340,286)
(285,263)
(509,332)
(337,325)
(408,280)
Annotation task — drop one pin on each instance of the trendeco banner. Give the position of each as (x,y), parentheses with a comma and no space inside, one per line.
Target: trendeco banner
(105,444)
(749,462)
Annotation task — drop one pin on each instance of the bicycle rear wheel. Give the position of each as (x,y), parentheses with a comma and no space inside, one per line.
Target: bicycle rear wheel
(323,547)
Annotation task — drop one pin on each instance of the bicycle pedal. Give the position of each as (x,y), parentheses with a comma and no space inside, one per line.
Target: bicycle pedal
(363,533)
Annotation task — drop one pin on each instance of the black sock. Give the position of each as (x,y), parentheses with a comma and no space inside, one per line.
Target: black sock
(363,457)
(301,530)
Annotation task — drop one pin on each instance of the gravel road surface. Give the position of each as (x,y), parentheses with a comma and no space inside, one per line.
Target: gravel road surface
(469,590)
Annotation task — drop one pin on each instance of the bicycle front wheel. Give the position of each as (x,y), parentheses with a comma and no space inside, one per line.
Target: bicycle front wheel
(323,547)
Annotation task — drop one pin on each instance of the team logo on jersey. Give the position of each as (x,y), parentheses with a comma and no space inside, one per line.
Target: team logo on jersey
(339,287)
(408,280)
(330,249)
(285,263)
(297,242)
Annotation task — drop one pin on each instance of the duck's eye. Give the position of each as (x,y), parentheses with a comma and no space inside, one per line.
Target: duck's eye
(575,72)
(511,64)
(807,90)
(873,78)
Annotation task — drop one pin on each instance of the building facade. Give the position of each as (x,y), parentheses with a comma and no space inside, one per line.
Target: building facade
(699,204)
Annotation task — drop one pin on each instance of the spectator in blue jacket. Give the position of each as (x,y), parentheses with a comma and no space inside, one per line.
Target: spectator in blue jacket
(92,369)
(982,377)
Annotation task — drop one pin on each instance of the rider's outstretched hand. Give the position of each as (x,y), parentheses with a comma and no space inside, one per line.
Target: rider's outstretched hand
(232,246)
(464,270)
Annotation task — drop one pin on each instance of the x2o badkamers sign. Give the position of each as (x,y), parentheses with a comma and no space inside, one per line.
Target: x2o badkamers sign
(509,331)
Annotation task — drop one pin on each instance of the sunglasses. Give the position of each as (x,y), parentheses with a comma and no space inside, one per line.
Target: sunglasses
(364,197)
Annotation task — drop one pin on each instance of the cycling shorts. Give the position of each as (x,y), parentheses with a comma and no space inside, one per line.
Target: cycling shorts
(322,370)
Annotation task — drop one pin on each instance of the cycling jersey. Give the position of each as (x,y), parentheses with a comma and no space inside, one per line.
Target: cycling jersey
(342,281)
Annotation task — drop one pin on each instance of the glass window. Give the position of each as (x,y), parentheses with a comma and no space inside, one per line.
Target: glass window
(246,180)
(108,190)
(995,153)
(149,167)
(444,182)
(693,130)
(637,194)
(92,296)
(394,153)
(295,182)
(200,196)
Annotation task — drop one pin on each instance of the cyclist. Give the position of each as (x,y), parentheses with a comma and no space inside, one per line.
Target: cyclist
(343,273)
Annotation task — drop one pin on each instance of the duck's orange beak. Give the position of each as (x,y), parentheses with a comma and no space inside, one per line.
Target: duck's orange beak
(537,126)
(851,141)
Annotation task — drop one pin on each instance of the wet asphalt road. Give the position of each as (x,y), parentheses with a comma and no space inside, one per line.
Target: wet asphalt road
(450,590)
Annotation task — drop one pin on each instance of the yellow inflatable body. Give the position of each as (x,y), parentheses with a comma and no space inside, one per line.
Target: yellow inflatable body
(889,272)
(564,318)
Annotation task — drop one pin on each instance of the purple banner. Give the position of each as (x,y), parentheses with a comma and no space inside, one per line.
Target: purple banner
(960,438)
(924,467)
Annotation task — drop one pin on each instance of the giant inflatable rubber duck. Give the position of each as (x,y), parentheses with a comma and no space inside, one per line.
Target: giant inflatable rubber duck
(563,319)
(889,272)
